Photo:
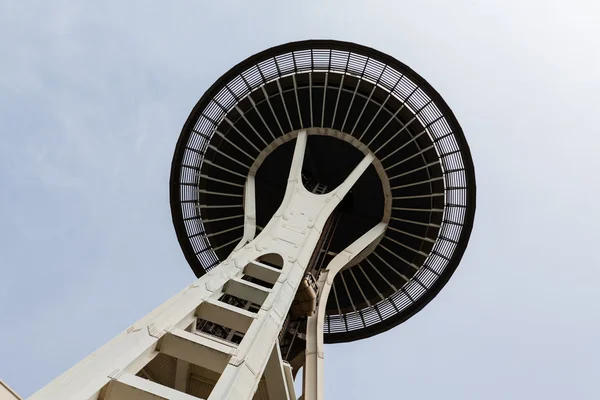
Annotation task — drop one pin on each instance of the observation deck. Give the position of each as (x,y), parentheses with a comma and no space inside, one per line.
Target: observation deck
(351,100)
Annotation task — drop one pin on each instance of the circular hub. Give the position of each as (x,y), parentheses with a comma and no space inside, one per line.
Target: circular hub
(422,182)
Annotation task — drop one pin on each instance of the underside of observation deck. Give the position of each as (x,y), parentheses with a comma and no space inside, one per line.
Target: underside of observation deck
(388,108)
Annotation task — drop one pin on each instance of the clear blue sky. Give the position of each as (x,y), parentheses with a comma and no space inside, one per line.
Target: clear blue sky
(93,96)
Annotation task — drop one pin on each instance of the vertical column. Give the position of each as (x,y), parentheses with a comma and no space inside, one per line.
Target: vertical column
(275,377)
(314,356)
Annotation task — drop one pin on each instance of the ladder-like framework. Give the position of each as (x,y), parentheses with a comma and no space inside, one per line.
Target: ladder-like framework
(220,335)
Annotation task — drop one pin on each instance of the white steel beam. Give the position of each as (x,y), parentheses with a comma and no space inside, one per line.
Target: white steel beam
(284,104)
(246,290)
(262,120)
(262,271)
(313,366)
(275,378)
(249,212)
(224,314)
(297,101)
(271,108)
(182,375)
(196,349)
(289,379)
(125,386)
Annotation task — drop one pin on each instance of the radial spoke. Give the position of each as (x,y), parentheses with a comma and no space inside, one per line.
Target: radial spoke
(222,135)
(400,258)
(287,114)
(223,218)
(390,267)
(351,103)
(368,100)
(362,112)
(310,98)
(418,209)
(210,178)
(201,206)
(271,108)
(410,157)
(418,183)
(297,100)
(421,196)
(394,116)
(410,221)
(380,274)
(415,170)
(261,119)
(372,284)
(337,302)
(228,156)
(219,193)
(228,243)
(414,138)
(407,247)
(243,115)
(405,125)
(359,287)
(324,97)
(225,231)
(383,103)
(347,291)
(337,100)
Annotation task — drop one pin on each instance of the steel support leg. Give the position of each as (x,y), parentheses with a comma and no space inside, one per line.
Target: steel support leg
(314,363)
(113,371)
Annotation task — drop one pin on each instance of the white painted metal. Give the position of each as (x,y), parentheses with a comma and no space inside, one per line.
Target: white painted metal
(249,212)
(225,314)
(6,393)
(261,271)
(295,229)
(246,290)
(289,379)
(313,365)
(293,233)
(182,375)
(197,349)
(275,377)
(132,387)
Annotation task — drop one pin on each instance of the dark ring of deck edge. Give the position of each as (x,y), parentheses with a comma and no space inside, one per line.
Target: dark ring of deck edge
(467,226)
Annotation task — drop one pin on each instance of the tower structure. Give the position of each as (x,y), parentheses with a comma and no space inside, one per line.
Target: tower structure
(322,192)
